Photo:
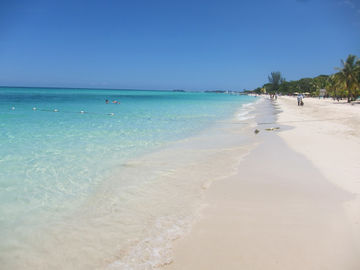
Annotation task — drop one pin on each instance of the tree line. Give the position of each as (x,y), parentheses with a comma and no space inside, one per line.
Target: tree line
(345,83)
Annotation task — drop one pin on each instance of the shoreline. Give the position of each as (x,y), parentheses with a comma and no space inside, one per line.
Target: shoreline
(196,162)
(148,202)
(281,211)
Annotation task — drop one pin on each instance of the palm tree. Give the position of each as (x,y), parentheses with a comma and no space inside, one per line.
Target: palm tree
(348,75)
(332,85)
(275,79)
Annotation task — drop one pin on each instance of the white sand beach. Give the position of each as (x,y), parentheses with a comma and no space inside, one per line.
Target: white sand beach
(294,203)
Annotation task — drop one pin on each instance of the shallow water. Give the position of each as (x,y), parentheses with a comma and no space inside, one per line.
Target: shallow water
(113,184)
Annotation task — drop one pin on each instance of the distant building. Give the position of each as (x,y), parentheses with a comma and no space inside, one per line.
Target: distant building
(322,92)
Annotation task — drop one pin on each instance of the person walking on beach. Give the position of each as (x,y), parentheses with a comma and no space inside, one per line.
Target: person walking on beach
(299,100)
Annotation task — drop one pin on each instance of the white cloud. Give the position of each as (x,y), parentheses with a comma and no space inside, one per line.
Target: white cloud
(348,3)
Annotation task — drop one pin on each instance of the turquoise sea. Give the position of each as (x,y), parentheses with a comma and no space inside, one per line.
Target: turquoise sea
(59,147)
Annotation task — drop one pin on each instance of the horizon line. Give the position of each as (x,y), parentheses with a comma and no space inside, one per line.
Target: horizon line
(131,89)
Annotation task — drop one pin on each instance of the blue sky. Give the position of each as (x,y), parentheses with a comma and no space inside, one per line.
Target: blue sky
(165,44)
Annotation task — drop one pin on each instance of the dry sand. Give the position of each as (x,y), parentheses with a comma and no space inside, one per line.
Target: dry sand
(294,203)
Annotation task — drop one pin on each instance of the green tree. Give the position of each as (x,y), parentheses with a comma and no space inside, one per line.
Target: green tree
(275,80)
(258,90)
(320,82)
(306,85)
(348,76)
(285,88)
(332,86)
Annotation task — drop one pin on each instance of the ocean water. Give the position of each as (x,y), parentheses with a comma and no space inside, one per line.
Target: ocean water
(90,185)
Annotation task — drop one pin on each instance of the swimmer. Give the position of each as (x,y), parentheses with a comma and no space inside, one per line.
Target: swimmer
(106,101)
